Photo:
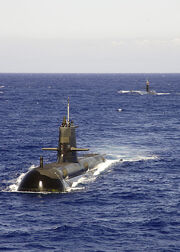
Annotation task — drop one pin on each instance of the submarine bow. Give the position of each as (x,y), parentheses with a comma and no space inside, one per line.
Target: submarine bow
(38,180)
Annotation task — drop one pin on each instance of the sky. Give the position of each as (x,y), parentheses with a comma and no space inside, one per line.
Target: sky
(89,36)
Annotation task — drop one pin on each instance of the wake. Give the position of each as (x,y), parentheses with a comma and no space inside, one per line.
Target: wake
(79,183)
(141,92)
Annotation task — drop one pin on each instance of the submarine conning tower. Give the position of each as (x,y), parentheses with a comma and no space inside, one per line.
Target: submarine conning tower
(67,142)
(147,86)
(66,151)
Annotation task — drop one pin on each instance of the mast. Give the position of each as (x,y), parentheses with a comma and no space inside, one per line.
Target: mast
(68,122)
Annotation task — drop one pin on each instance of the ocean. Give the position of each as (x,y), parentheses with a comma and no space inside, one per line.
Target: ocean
(129,203)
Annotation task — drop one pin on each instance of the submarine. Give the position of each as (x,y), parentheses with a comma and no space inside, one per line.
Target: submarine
(54,177)
(146,91)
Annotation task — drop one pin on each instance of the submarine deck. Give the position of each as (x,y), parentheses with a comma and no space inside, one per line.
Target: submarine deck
(57,165)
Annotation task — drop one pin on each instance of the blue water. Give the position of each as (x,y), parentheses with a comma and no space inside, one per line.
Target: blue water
(130,203)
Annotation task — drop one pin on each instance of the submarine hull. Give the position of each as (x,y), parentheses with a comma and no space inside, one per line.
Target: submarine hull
(53,177)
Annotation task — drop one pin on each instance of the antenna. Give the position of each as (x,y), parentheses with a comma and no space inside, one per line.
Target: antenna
(68,112)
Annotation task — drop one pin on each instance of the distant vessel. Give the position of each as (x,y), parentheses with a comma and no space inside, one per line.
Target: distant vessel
(147,91)
(54,177)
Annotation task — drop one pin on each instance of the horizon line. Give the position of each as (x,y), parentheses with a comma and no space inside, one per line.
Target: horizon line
(89,73)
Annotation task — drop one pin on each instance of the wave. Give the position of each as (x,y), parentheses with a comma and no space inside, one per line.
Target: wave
(1,92)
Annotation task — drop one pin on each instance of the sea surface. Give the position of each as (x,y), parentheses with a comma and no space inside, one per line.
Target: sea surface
(129,203)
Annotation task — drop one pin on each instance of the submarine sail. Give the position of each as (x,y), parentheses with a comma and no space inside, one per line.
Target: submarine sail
(52,177)
(147,86)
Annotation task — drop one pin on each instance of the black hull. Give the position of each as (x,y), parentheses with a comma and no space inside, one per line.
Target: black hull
(52,177)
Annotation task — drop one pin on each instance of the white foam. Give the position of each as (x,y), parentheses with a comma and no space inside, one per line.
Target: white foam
(141,92)
(16,183)
(1,86)
(31,167)
(129,153)
(132,91)
(123,92)
(14,187)
(103,166)
(140,158)
(163,93)
(89,177)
